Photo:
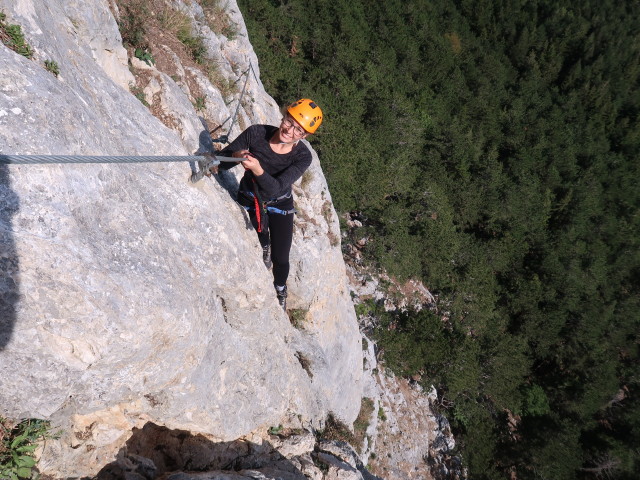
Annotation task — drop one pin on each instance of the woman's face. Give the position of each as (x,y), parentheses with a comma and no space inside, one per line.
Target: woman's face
(290,130)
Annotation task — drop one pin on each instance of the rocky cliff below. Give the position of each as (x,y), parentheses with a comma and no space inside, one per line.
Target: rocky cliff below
(136,313)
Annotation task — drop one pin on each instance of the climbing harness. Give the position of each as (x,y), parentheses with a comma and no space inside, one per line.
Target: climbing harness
(261,214)
(251,202)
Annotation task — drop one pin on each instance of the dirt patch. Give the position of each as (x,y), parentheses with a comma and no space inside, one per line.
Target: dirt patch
(150,24)
(158,34)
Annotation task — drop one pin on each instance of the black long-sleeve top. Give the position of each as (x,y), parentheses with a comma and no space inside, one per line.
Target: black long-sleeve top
(280,170)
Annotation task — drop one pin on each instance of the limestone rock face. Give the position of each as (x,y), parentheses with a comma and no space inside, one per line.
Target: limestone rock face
(158,453)
(129,295)
(405,438)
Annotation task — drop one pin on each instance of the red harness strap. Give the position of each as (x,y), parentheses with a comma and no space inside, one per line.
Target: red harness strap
(256,202)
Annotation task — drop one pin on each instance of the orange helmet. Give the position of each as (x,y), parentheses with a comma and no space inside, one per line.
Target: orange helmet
(306,113)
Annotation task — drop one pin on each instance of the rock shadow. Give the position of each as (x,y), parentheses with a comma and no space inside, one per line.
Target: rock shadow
(9,262)
(224,178)
(157,453)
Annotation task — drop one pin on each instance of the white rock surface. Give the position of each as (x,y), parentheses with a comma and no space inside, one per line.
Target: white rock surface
(129,295)
(405,439)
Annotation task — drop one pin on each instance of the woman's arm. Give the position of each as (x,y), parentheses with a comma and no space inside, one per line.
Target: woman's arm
(275,185)
(251,162)
(241,143)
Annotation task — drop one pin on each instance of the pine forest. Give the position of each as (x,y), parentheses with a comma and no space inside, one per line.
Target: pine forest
(492,150)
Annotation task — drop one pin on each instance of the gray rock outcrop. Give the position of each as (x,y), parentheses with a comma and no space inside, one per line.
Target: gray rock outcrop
(158,453)
(129,295)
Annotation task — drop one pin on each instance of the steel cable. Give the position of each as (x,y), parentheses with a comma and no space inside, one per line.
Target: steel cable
(43,159)
(40,159)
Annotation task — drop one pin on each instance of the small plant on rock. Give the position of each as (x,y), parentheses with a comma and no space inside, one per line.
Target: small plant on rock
(297,316)
(12,37)
(362,421)
(195,44)
(52,66)
(144,55)
(200,103)
(381,415)
(335,429)
(139,94)
(18,443)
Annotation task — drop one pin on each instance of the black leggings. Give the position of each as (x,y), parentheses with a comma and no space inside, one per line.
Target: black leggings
(280,235)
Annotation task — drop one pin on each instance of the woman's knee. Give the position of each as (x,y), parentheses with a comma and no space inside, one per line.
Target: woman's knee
(280,254)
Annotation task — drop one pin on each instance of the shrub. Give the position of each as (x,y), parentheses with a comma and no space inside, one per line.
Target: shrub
(52,66)
(226,87)
(200,103)
(139,94)
(297,316)
(144,55)
(12,37)
(131,25)
(335,429)
(17,446)
(381,415)
(195,44)
(362,421)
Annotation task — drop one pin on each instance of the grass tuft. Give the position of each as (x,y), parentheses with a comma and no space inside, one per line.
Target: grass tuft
(335,429)
(218,19)
(52,66)
(12,37)
(297,317)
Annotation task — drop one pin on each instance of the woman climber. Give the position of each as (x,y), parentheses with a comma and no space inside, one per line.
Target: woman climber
(274,159)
